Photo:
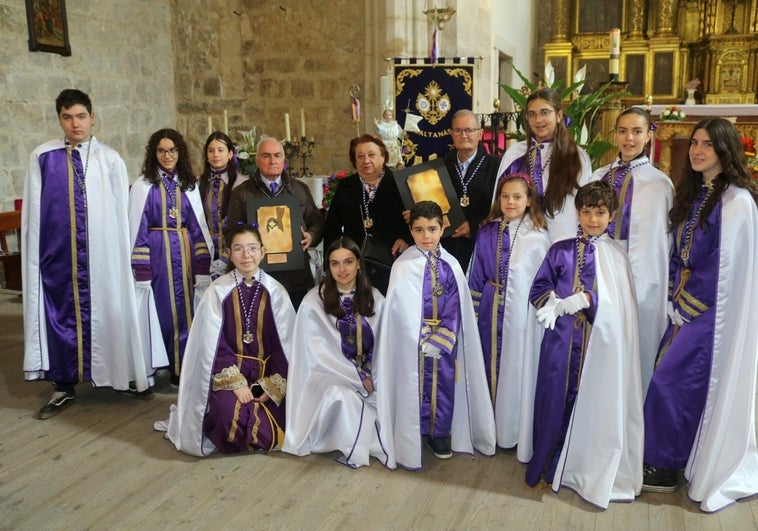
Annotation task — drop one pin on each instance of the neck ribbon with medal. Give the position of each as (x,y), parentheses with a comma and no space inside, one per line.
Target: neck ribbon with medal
(685,236)
(81,179)
(247,311)
(465,199)
(433,260)
(503,268)
(167,179)
(367,197)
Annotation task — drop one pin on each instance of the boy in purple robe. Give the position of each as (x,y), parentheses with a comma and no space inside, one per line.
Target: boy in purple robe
(429,370)
(588,399)
(79,300)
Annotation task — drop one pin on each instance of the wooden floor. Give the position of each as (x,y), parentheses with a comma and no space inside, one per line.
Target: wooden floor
(100,465)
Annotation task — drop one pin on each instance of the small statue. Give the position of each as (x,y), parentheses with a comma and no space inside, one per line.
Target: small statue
(392,136)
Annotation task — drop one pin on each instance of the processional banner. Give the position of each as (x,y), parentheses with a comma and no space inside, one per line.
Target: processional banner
(427,95)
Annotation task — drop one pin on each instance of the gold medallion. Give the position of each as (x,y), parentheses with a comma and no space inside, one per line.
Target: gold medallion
(368,223)
(465,200)
(247,338)
(172,213)
(437,290)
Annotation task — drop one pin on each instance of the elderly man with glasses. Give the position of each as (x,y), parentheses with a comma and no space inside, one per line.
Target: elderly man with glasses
(474,173)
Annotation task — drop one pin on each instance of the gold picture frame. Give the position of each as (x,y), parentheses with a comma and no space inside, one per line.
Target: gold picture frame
(48,26)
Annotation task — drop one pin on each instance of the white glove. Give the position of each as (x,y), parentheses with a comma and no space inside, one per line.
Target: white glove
(143,285)
(676,318)
(431,351)
(202,281)
(550,312)
(218,268)
(574,303)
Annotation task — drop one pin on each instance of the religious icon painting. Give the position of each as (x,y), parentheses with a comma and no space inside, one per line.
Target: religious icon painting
(48,27)
(278,220)
(430,181)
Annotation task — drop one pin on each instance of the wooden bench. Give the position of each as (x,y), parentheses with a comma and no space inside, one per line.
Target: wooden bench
(11,260)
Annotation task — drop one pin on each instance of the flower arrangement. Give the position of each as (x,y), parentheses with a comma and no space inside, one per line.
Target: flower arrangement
(752,160)
(246,151)
(330,187)
(672,114)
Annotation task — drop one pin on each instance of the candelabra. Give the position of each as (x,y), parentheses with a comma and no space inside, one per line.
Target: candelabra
(301,149)
(502,125)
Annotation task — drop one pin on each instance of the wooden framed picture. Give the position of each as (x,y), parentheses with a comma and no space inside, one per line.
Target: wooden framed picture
(48,27)
(431,181)
(279,219)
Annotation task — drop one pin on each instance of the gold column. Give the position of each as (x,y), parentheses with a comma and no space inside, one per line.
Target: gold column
(666,20)
(561,20)
(608,115)
(635,21)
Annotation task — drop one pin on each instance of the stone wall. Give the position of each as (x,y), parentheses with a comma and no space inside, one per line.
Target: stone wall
(121,56)
(259,60)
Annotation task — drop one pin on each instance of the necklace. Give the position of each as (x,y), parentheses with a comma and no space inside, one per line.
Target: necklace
(465,200)
(581,247)
(433,259)
(367,197)
(688,230)
(81,179)
(247,312)
(170,194)
(504,269)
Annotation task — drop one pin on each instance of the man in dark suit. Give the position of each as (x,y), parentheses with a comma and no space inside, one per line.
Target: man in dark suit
(474,175)
(271,181)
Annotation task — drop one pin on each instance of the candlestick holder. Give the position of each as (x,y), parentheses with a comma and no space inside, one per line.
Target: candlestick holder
(301,149)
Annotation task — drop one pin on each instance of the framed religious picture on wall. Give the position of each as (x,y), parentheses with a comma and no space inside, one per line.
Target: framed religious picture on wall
(278,220)
(430,181)
(48,28)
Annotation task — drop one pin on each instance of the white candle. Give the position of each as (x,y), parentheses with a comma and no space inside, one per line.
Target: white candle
(226,122)
(384,90)
(210,126)
(287,127)
(302,121)
(613,65)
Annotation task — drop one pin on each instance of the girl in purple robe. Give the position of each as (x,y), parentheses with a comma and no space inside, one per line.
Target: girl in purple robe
(216,183)
(170,243)
(245,409)
(555,163)
(509,249)
(700,405)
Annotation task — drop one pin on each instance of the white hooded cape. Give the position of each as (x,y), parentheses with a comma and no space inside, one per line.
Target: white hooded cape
(149,327)
(601,458)
(116,353)
(327,406)
(185,424)
(396,368)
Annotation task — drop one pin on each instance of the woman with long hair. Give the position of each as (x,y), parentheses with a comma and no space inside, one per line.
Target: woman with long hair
(331,403)
(700,405)
(171,249)
(554,162)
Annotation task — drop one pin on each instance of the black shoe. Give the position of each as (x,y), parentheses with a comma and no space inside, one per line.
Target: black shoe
(147,394)
(57,403)
(174,379)
(659,479)
(440,447)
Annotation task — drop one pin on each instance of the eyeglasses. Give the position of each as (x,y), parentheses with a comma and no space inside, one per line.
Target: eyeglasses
(170,152)
(467,130)
(531,115)
(240,249)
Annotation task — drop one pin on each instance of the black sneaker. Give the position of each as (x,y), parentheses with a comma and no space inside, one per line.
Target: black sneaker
(440,447)
(57,403)
(658,479)
(147,394)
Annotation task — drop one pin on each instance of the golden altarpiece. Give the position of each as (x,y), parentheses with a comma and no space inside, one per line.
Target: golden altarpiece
(665,45)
